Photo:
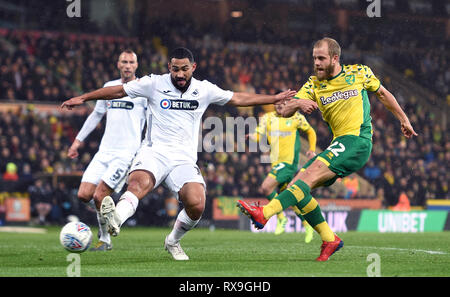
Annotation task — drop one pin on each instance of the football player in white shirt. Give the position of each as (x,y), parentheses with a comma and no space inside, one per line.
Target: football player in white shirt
(125,119)
(177,102)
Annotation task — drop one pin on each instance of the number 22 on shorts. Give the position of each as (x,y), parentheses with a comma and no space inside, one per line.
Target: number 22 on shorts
(336,148)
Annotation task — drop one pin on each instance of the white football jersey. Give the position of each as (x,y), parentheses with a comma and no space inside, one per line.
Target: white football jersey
(125,120)
(175,116)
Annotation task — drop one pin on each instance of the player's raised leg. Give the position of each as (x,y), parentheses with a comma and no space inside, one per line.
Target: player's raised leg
(193,196)
(140,182)
(298,194)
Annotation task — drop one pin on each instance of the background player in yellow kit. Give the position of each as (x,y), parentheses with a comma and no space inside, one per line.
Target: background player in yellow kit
(283,136)
(340,92)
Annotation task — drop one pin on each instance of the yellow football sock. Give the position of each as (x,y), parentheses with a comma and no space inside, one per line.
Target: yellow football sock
(274,207)
(324,231)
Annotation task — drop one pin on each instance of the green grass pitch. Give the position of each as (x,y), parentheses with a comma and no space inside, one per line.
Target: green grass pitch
(138,251)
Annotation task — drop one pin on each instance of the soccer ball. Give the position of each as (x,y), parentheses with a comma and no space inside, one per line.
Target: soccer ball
(75,237)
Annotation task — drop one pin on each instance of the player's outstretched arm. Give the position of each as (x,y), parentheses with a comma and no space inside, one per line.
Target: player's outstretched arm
(106,93)
(392,105)
(249,99)
(303,105)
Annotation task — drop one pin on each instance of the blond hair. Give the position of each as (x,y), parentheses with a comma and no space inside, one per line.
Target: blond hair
(333,46)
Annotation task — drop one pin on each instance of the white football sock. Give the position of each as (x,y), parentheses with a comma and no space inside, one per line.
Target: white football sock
(103,229)
(126,207)
(182,225)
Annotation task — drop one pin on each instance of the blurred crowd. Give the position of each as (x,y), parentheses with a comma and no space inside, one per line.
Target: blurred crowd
(51,67)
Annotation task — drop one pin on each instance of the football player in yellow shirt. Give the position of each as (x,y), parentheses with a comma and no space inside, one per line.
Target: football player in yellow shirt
(340,93)
(283,136)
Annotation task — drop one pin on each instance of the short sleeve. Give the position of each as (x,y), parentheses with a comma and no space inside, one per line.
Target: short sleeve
(217,95)
(370,82)
(306,91)
(141,87)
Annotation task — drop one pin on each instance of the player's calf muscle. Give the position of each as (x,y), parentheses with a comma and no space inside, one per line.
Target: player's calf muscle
(268,186)
(101,192)
(195,212)
(86,191)
(193,197)
(316,174)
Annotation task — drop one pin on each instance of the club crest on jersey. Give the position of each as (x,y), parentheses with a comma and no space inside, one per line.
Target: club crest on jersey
(120,104)
(179,104)
(195,93)
(350,79)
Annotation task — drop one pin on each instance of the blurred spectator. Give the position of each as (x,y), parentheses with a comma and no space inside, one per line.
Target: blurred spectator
(403,203)
(61,203)
(351,184)
(41,200)
(372,172)
(11,172)
(52,66)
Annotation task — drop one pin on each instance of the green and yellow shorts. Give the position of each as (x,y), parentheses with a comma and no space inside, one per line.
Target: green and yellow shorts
(283,172)
(346,155)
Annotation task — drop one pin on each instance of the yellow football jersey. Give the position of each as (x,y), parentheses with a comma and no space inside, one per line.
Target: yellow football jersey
(283,136)
(343,99)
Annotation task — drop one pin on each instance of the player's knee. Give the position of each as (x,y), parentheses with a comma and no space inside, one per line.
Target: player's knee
(98,198)
(84,196)
(140,183)
(136,186)
(265,190)
(195,211)
(101,192)
(195,206)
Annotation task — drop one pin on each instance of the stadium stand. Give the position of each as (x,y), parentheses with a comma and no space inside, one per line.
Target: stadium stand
(48,67)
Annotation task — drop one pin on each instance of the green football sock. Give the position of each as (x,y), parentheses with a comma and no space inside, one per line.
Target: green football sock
(290,197)
(272,195)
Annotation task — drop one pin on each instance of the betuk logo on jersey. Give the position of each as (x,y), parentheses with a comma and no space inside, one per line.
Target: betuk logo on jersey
(120,104)
(179,104)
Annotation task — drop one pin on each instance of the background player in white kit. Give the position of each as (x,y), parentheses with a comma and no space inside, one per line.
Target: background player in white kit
(125,119)
(177,102)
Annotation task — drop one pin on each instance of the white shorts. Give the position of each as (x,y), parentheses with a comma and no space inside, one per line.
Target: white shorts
(167,168)
(112,168)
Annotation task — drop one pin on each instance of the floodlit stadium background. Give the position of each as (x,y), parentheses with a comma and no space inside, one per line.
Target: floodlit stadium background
(54,50)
